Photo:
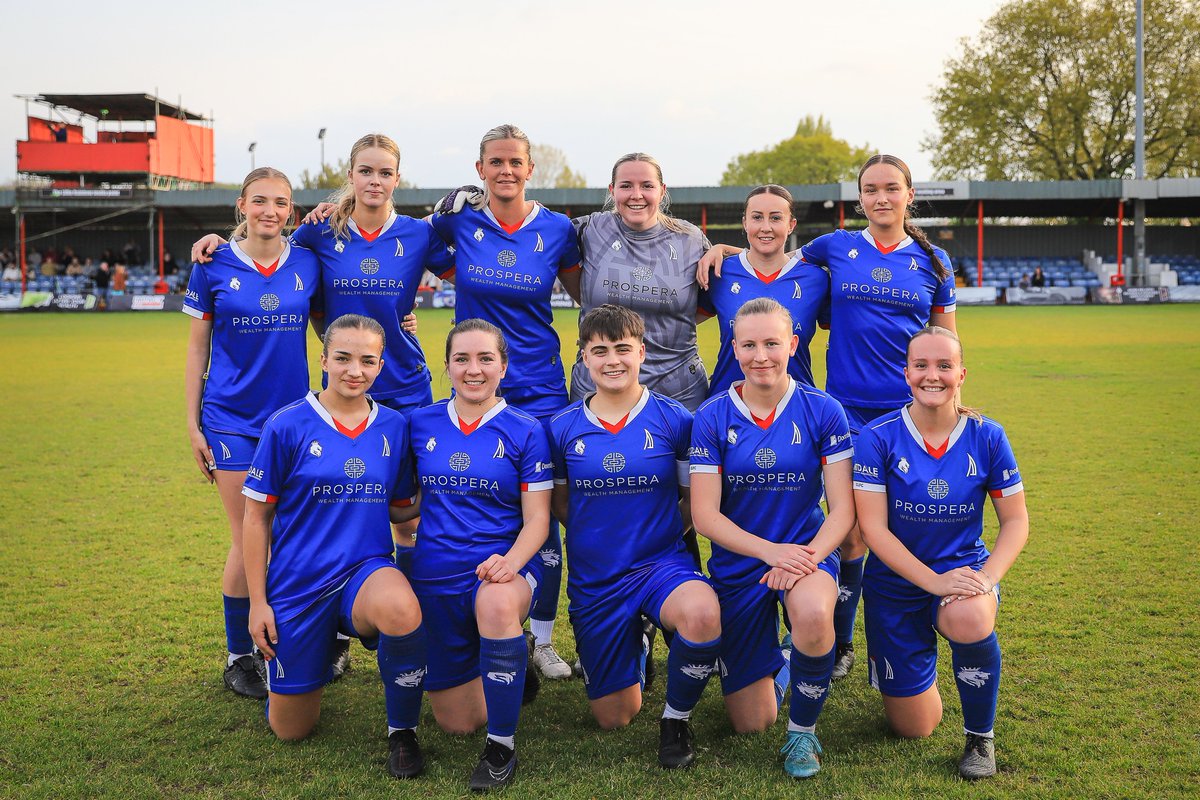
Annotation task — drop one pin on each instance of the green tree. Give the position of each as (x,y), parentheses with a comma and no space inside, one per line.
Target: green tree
(551,170)
(332,176)
(1046,92)
(811,155)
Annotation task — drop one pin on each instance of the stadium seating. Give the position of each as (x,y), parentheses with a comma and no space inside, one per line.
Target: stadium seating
(1005,272)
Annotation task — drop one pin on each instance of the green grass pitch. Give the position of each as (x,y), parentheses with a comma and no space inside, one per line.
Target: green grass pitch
(111,637)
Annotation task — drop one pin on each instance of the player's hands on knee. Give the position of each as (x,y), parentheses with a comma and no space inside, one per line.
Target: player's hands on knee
(711,262)
(958,582)
(797,559)
(319,214)
(262,629)
(779,579)
(202,249)
(203,455)
(497,569)
(409,323)
(453,202)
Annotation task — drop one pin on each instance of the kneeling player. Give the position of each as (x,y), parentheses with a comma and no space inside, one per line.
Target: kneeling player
(485,475)
(620,458)
(760,453)
(921,475)
(319,489)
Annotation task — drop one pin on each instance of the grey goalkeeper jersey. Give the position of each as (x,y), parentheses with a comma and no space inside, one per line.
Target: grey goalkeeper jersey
(654,273)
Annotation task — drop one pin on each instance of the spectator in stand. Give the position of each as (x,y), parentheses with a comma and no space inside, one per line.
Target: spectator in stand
(33,262)
(1024,282)
(120,276)
(11,273)
(1039,278)
(49,267)
(169,265)
(101,278)
(74,268)
(133,256)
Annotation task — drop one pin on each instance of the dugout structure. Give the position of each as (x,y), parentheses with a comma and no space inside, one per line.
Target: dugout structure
(106,155)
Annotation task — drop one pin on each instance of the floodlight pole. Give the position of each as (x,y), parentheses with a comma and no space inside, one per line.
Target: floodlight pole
(1140,278)
(321,136)
(253,145)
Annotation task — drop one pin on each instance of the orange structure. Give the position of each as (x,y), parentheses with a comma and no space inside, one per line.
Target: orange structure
(139,139)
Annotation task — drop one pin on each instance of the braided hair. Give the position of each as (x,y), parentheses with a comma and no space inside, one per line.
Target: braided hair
(910,230)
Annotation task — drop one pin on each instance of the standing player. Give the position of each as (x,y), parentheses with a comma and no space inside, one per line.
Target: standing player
(761,453)
(886,282)
(765,270)
(325,474)
(637,256)
(620,460)
(507,257)
(921,476)
(485,477)
(246,358)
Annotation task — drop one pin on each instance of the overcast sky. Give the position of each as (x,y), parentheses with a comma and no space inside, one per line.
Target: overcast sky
(694,83)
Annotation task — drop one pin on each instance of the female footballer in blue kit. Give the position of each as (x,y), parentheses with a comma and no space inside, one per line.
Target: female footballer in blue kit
(507,255)
(921,476)
(246,358)
(330,471)
(372,260)
(620,458)
(485,479)
(765,270)
(886,283)
(761,453)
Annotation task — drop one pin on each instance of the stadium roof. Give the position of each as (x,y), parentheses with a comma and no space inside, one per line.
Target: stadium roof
(123,107)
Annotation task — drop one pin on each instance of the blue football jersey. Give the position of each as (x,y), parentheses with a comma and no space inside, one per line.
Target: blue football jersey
(878,300)
(935,505)
(623,490)
(332,491)
(259,360)
(507,279)
(801,288)
(471,485)
(378,277)
(771,480)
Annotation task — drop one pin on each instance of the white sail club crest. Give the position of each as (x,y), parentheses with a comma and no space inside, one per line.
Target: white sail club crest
(315,448)
(499,448)
(399,248)
(972,471)
(796,292)
(432,443)
(903,465)
(225,454)
(796,438)
(387,448)
(339,246)
(278,668)
(579,446)
(299,283)
(479,234)
(912,264)
(539,247)
(649,443)
(674,255)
